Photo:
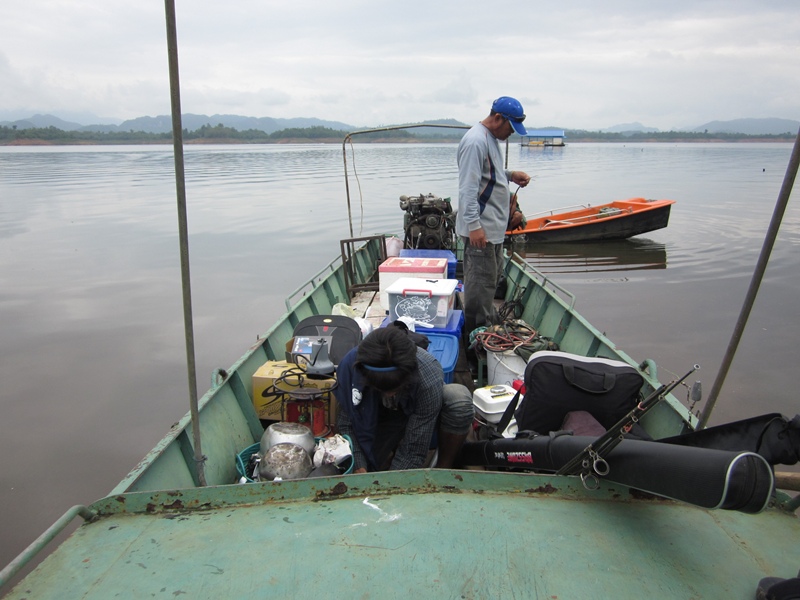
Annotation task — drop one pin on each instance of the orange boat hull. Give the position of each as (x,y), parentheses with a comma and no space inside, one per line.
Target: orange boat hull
(615,220)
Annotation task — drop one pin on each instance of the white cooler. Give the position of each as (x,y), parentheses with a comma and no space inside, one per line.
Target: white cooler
(397,267)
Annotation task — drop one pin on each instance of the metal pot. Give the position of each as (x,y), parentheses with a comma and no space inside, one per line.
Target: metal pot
(286,461)
(287,433)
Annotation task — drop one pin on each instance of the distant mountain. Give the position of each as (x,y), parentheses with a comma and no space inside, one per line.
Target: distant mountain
(435,132)
(106,128)
(42,121)
(191,122)
(751,126)
(160,124)
(630,127)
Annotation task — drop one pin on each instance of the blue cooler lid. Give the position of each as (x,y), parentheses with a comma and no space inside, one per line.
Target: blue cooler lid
(418,253)
(444,348)
(454,324)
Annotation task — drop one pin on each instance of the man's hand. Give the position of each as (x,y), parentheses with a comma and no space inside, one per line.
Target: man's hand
(520,178)
(515,221)
(477,238)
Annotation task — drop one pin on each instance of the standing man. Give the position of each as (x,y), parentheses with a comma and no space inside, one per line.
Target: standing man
(483,206)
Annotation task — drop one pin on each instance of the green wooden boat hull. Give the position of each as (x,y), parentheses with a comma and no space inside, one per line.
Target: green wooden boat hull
(436,533)
(228,422)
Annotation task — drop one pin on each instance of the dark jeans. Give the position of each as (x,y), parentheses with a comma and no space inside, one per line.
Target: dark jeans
(482,270)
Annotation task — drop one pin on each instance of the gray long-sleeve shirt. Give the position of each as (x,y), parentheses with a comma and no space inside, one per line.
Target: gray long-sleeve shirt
(483,190)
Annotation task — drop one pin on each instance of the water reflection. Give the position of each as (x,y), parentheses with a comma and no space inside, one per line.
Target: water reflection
(620,255)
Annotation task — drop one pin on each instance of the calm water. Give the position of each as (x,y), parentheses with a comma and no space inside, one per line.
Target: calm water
(92,352)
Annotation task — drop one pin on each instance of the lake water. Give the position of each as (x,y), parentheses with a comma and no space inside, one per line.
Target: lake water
(92,351)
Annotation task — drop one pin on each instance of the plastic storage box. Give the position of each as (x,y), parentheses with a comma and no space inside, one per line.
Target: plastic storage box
(396,267)
(424,300)
(452,327)
(446,254)
(444,348)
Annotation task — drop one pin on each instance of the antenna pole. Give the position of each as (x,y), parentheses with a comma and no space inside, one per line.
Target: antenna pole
(755,282)
(180,185)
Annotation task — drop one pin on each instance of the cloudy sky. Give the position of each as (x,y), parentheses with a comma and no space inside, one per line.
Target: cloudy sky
(572,63)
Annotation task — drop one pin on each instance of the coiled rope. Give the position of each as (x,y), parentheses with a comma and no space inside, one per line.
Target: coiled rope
(516,336)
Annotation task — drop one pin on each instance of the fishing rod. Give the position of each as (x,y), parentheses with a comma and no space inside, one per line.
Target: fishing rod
(591,463)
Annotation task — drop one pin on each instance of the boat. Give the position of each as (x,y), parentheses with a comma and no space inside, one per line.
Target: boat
(442,533)
(543,137)
(615,220)
(182,523)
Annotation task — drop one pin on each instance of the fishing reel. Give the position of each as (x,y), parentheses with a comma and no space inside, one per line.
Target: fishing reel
(429,222)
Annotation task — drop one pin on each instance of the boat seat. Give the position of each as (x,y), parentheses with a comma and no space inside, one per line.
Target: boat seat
(345,333)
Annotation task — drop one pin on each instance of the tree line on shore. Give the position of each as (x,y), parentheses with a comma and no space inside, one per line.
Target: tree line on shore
(222,134)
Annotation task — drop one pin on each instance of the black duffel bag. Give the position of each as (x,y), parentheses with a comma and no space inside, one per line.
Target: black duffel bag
(557,383)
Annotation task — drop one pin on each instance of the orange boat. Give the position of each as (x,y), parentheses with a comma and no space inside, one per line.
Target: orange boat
(615,220)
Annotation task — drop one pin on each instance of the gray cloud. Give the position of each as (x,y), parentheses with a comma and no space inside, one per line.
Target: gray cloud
(573,64)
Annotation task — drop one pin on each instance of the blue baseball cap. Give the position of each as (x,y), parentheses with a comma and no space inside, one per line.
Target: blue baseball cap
(511,109)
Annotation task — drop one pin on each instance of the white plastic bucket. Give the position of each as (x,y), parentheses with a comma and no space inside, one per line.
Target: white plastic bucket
(504,367)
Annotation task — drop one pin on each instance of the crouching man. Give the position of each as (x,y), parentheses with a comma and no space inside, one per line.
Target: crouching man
(392,397)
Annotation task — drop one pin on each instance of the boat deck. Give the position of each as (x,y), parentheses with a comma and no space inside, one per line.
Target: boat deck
(443,534)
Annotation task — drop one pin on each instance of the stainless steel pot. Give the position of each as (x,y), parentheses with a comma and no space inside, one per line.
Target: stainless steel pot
(286,461)
(287,433)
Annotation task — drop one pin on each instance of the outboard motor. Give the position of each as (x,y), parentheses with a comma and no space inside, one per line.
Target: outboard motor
(429,222)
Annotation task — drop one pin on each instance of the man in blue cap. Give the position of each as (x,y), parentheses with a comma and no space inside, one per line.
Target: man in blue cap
(483,206)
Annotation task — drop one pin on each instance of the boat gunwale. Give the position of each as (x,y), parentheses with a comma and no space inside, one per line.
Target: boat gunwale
(341,487)
(641,203)
(388,483)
